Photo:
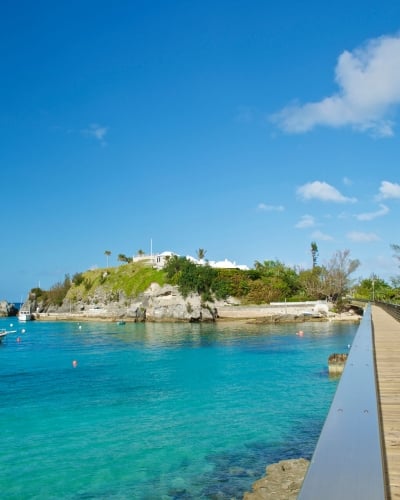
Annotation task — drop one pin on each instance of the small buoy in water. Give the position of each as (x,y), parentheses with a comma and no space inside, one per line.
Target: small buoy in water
(80,326)
(74,363)
(11,324)
(23,330)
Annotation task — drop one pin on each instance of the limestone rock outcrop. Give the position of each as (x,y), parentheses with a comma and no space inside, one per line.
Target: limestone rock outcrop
(7,309)
(166,303)
(157,303)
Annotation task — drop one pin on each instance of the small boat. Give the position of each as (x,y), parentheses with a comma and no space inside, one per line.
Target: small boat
(4,333)
(24,313)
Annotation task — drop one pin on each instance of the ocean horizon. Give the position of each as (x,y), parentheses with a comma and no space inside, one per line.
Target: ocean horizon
(159,410)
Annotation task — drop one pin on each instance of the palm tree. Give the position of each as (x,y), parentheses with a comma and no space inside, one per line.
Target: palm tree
(123,258)
(201,253)
(107,253)
(314,253)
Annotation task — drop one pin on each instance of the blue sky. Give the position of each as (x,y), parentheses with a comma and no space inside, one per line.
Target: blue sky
(247,128)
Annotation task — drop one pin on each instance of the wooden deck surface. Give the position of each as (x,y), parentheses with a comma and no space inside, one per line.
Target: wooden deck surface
(387,354)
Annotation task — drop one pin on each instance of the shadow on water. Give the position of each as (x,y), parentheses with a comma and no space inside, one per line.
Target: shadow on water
(234,472)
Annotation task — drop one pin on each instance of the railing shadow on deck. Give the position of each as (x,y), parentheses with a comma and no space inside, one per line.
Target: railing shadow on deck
(347,463)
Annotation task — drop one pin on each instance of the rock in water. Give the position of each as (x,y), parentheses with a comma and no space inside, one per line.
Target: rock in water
(282,481)
(336,364)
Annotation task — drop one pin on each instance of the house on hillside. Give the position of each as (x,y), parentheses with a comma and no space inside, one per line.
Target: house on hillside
(158,261)
(161,259)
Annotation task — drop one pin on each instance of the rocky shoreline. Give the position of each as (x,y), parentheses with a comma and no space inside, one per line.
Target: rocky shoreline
(7,309)
(282,481)
(166,304)
(269,318)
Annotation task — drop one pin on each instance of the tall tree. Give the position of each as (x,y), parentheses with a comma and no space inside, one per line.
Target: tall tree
(396,279)
(314,253)
(107,253)
(336,275)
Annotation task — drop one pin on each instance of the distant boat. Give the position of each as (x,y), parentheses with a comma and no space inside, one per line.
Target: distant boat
(24,313)
(4,333)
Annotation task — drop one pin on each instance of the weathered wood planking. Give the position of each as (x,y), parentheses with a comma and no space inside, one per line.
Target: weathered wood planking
(387,356)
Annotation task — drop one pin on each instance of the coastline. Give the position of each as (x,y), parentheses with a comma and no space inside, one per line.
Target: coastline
(245,314)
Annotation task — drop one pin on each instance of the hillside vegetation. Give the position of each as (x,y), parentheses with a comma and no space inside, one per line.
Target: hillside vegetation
(269,281)
(129,279)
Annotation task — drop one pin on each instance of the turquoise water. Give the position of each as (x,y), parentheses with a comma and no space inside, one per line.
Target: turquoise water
(158,411)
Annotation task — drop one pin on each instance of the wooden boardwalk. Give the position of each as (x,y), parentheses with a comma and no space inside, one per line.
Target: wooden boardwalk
(387,355)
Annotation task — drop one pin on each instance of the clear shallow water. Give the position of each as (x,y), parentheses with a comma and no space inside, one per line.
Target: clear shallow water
(158,411)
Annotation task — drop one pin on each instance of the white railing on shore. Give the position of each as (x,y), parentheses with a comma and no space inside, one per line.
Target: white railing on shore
(348,460)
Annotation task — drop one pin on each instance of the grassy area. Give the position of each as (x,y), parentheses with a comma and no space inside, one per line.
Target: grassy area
(131,279)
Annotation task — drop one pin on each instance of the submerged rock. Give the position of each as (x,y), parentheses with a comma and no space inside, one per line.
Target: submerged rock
(282,481)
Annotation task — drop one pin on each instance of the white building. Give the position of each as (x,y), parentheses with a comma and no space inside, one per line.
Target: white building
(162,258)
(227,264)
(159,261)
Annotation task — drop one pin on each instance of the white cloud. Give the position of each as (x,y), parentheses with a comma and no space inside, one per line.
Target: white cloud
(322,191)
(96,131)
(373,215)
(368,82)
(388,190)
(305,222)
(318,235)
(270,208)
(360,237)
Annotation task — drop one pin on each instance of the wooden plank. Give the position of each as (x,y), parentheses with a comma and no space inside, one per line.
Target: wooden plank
(387,359)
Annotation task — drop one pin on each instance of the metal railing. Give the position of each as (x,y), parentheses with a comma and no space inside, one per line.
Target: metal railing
(347,463)
(389,307)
